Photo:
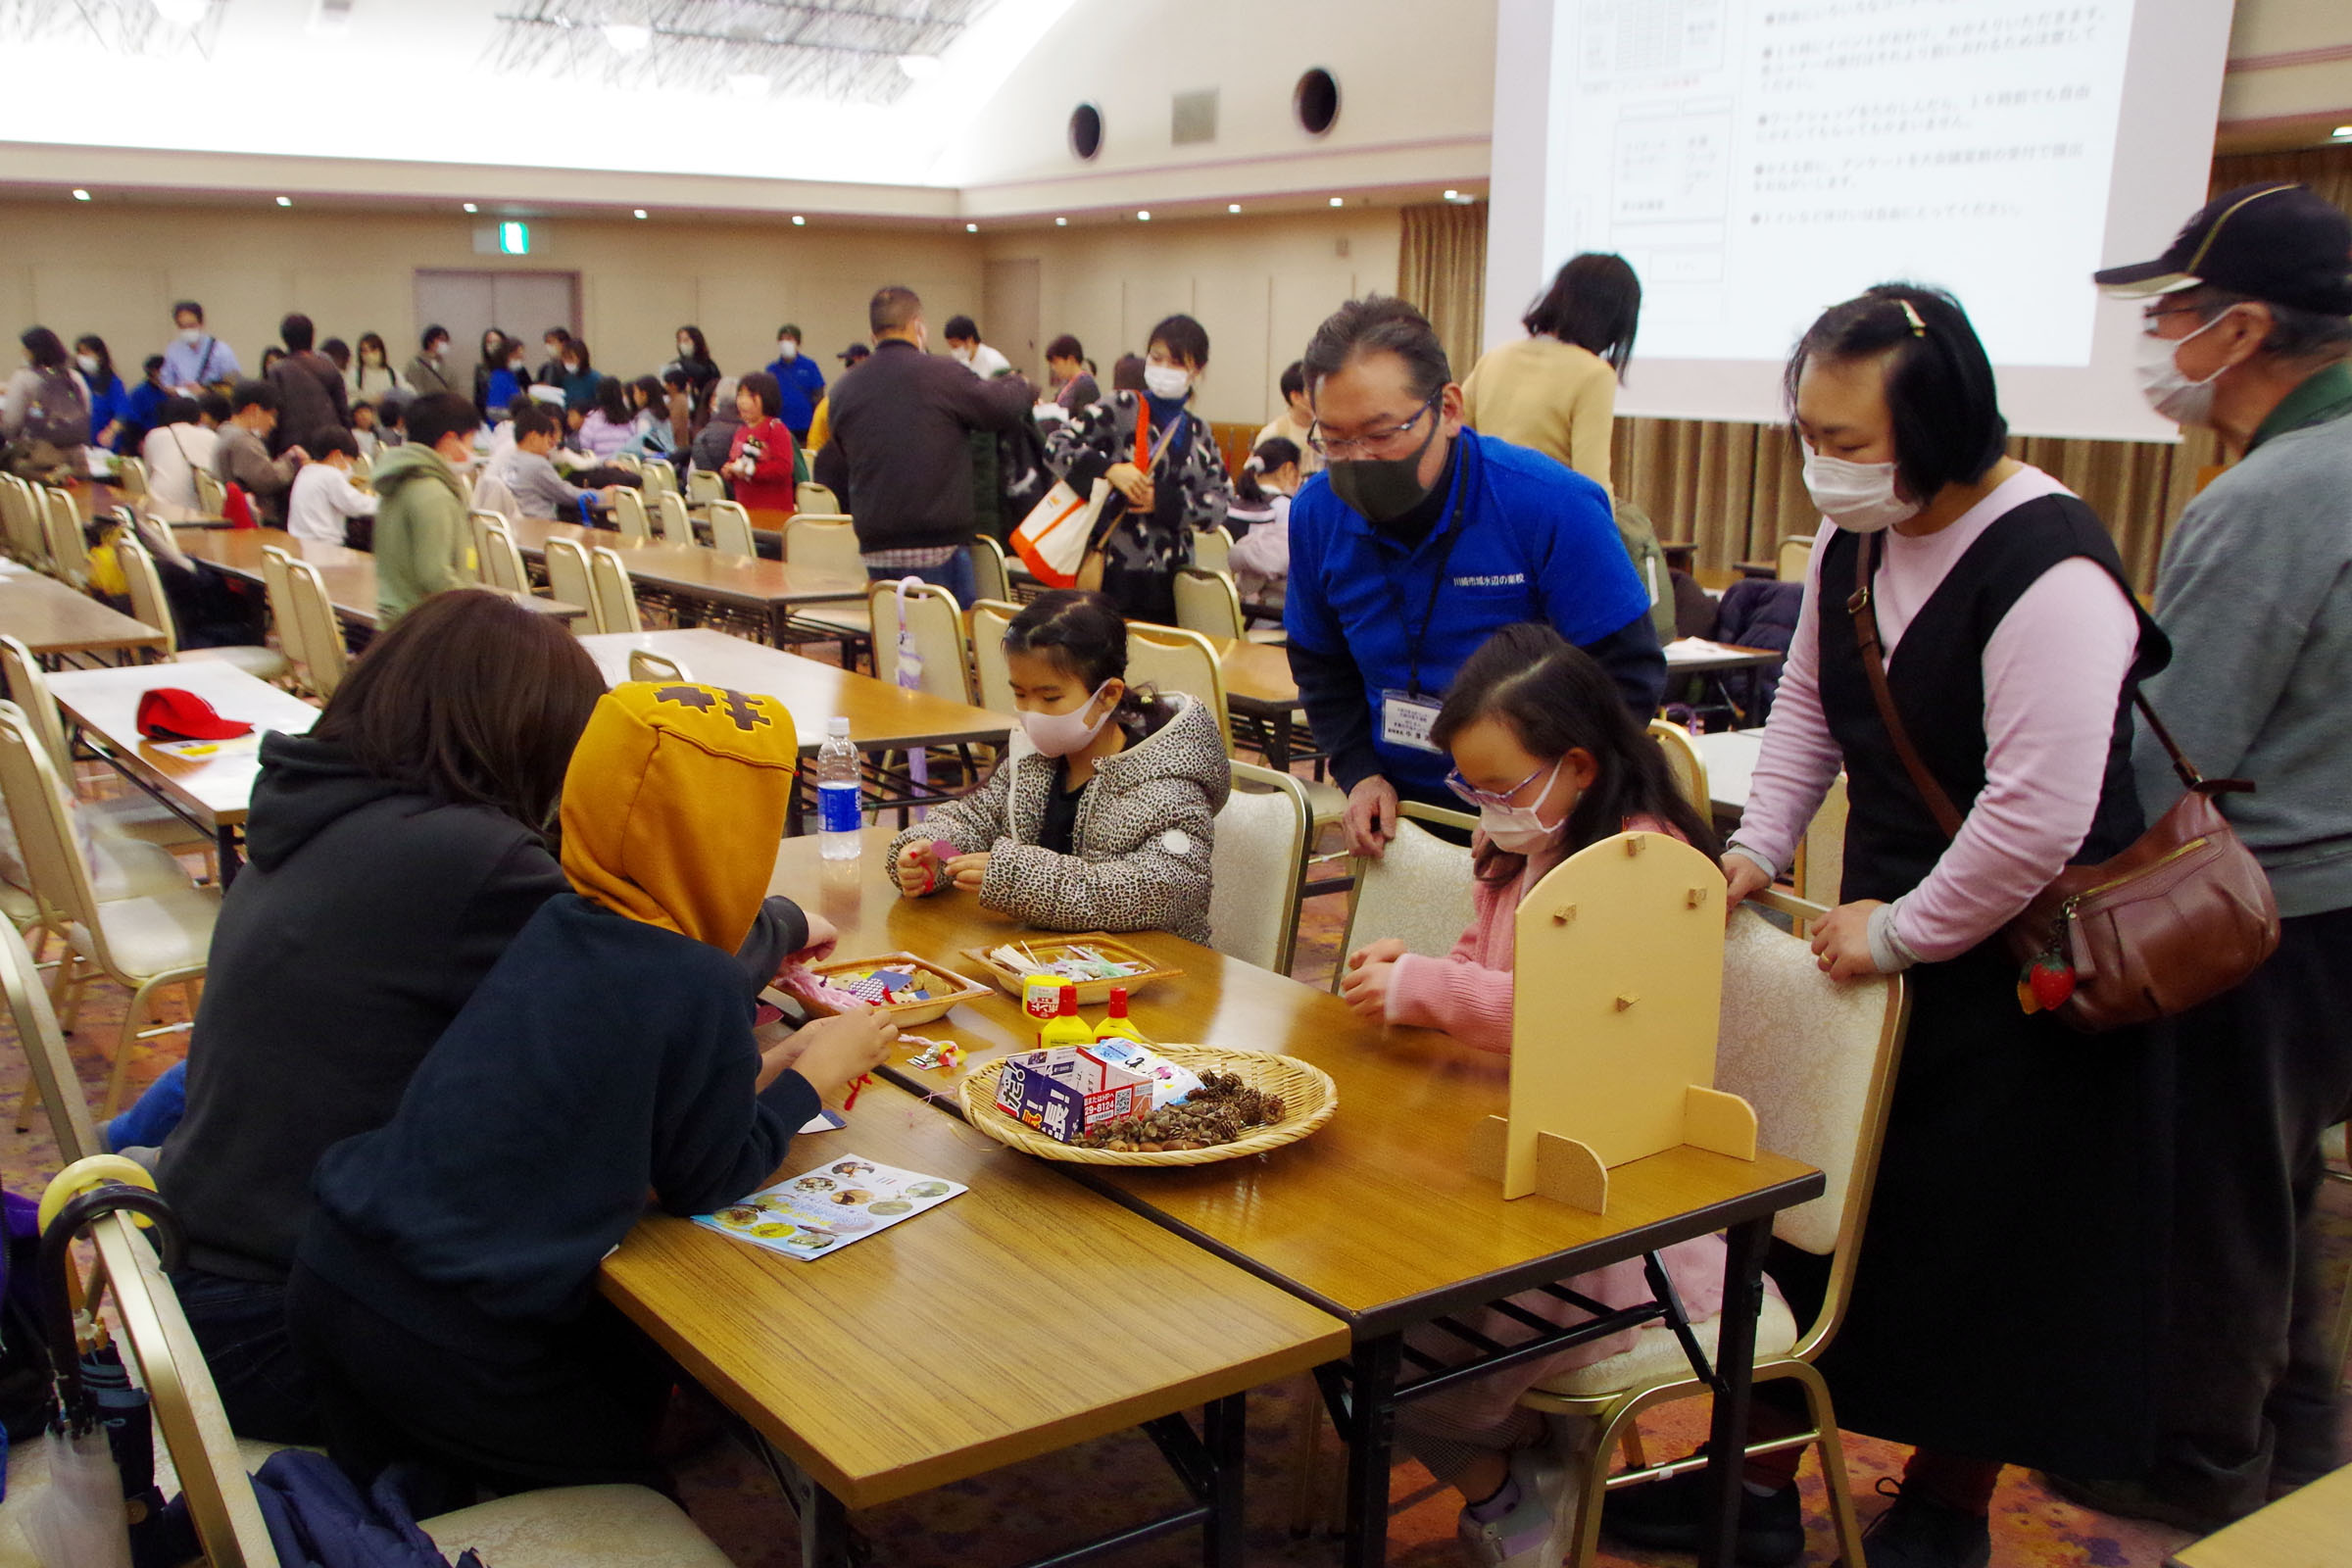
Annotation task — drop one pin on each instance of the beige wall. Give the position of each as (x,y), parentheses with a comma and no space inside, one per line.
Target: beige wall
(115,270)
(1259,285)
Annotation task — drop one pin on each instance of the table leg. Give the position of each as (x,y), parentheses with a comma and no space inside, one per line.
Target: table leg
(1370,1432)
(1278,743)
(824,1530)
(224,845)
(1734,1374)
(1224,1429)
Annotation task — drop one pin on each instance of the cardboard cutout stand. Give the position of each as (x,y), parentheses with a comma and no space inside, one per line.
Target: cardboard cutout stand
(1616,1000)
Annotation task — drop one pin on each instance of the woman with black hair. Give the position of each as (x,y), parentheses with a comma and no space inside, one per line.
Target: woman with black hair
(371,377)
(1555,390)
(47,400)
(496,383)
(694,357)
(110,404)
(2006,1299)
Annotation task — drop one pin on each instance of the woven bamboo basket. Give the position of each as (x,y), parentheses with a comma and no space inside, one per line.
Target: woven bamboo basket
(1308,1095)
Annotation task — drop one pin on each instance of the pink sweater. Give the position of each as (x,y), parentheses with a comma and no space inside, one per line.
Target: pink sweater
(2052,668)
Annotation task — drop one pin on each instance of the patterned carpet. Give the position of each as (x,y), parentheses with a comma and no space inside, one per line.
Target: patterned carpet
(1014,1514)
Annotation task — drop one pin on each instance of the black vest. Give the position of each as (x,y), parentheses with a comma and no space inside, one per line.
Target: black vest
(1936,676)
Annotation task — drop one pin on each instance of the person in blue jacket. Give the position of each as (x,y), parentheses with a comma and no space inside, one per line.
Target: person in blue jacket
(802,380)
(1421,539)
(143,407)
(110,404)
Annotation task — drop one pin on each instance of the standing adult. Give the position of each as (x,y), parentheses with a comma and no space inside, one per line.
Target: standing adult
(47,400)
(694,357)
(310,389)
(965,348)
(242,455)
(713,445)
(800,381)
(430,372)
(2245,333)
(551,368)
(1295,423)
(371,378)
(1419,541)
(1074,385)
(2004,1302)
(897,458)
(195,362)
(1555,389)
(109,404)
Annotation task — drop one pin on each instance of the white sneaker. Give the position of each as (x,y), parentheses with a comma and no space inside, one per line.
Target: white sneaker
(1535,1533)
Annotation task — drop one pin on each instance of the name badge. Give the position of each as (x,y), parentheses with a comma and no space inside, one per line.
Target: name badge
(1406,720)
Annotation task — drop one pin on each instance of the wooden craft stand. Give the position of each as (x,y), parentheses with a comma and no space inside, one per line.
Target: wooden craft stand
(1615,1008)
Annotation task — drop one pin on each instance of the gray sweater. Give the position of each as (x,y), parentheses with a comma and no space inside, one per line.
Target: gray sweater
(2255,590)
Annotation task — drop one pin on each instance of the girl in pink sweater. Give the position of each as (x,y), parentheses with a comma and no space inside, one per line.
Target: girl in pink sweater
(1543,748)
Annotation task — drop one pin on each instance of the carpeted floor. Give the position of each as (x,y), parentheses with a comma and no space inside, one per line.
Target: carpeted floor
(1014,1514)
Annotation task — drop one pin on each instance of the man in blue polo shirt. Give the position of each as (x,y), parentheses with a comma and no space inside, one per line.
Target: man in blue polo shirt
(1419,541)
(801,381)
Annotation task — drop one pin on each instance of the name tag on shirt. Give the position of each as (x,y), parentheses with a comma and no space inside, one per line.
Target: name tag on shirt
(1406,720)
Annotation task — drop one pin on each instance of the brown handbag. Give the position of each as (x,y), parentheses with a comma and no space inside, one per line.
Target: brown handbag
(2181,915)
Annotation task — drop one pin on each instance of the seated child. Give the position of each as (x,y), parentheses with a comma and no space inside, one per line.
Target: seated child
(1260,520)
(444,1292)
(323,499)
(1102,813)
(1543,748)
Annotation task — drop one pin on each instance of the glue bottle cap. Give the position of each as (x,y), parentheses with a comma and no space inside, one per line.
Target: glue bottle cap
(1066,1004)
(1118,1002)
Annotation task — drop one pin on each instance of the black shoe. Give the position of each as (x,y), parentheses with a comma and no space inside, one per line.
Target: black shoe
(1916,1533)
(1664,1516)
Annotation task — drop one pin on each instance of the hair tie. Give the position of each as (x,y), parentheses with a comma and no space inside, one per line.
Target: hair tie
(1919,328)
(1255,465)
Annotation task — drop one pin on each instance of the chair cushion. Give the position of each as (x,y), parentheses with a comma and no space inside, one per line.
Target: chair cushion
(1657,1356)
(261,664)
(1326,799)
(139,818)
(577,1526)
(159,932)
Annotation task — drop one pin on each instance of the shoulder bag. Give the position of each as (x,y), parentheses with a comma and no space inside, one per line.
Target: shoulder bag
(2181,915)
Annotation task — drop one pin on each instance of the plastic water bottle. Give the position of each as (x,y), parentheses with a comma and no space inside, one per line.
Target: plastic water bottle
(837,814)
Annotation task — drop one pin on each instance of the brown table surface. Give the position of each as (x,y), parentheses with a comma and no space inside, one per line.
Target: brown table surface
(49,617)
(348,574)
(1690,660)
(2310,1527)
(96,496)
(213,790)
(1377,1218)
(698,573)
(881,717)
(1011,1321)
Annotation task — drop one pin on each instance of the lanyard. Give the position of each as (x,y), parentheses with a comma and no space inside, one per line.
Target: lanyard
(1147,456)
(1428,613)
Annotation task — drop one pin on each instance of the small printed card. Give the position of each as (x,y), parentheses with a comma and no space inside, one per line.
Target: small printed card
(830,1205)
(206,751)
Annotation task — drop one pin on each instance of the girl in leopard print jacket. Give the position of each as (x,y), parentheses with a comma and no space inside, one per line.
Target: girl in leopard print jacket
(1102,814)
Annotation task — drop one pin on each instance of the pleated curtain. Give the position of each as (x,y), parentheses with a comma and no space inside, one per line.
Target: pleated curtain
(1442,268)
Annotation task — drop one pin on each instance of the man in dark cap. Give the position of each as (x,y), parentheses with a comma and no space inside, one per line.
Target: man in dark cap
(2247,326)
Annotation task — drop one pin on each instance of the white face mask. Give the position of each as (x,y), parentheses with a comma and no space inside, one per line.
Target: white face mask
(2156,365)
(788,351)
(1060,734)
(88,363)
(685,348)
(1520,829)
(1858,497)
(960,355)
(191,334)
(1168,382)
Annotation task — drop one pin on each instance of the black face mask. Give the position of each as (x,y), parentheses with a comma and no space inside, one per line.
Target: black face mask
(1383,489)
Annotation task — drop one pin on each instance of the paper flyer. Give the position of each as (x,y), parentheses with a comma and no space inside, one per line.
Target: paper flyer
(830,1205)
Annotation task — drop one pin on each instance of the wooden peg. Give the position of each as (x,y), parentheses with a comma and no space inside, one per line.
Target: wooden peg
(1626,998)
(1633,844)
(1563,914)
(1698,896)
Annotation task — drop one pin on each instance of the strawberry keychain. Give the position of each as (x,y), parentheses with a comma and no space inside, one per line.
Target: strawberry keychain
(2044,983)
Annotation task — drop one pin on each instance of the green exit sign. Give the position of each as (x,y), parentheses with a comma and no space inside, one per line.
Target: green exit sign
(514,240)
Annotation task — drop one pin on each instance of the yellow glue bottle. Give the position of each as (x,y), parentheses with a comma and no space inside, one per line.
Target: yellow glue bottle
(1118,1026)
(1065,1027)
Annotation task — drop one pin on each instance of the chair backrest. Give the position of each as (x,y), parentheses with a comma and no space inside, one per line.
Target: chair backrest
(992,573)
(29,688)
(1419,892)
(148,602)
(1797,553)
(569,580)
(615,595)
(815,541)
(45,842)
(626,463)
(937,622)
(1174,659)
(45,1053)
(646,665)
(704,486)
(1816,1058)
(130,477)
(1207,602)
(212,496)
(1256,866)
(731,531)
(1820,868)
(629,515)
(323,650)
(501,562)
(23,521)
(671,521)
(68,546)
(277,589)
(1683,761)
(659,478)
(363,468)
(1212,550)
(992,677)
(490,495)
(810,496)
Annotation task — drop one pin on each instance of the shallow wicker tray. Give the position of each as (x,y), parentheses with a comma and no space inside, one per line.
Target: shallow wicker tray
(1307,1092)
(1090,993)
(905,1014)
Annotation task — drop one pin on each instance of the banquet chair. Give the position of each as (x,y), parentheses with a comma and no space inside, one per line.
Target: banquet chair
(150,604)
(647,664)
(55,1082)
(671,521)
(1794,556)
(992,677)
(1419,891)
(731,531)
(992,573)
(569,580)
(1257,866)
(629,515)
(616,596)
(1206,602)
(937,622)
(212,496)
(1171,658)
(704,487)
(1212,550)
(133,814)
(498,563)
(810,496)
(130,477)
(23,526)
(1685,766)
(68,546)
(321,633)
(279,591)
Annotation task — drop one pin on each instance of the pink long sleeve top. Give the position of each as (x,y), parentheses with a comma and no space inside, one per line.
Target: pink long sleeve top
(2052,668)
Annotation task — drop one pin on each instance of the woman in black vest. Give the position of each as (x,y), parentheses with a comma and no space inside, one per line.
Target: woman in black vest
(2004,1294)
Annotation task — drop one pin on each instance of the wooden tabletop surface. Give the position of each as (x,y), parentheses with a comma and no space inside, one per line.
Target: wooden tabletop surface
(213,788)
(2310,1527)
(1013,1320)
(1256,673)
(1377,1216)
(696,571)
(347,575)
(1730,756)
(49,617)
(96,498)
(1687,657)
(881,717)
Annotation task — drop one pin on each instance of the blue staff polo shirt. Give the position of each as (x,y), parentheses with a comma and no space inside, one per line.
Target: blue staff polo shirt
(1538,542)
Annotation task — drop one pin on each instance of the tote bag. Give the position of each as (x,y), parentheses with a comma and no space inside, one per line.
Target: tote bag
(1052,538)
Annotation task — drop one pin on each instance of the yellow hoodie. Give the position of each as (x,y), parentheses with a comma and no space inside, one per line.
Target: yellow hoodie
(674,803)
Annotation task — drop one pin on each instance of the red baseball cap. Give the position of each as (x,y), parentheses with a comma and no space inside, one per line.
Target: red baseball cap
(174,714)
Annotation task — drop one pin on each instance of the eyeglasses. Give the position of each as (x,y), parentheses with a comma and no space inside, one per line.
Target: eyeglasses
(1360,446)
(1478,797)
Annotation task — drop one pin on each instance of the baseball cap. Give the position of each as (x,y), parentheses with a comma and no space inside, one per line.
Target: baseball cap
(174,714)
(854,353)
(2284,244)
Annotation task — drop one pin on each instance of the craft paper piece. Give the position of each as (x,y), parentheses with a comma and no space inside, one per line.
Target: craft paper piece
(827,1207)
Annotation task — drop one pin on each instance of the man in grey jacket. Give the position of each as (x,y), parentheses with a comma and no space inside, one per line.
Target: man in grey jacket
(2248,326)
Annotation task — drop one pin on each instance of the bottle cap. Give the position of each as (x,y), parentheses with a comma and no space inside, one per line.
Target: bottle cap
(838,724)
(1066,1000)
(1118,1002)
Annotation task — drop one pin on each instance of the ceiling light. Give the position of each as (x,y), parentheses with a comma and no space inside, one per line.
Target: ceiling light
(1233,207)
(746,84)
(799,221)
(971,228)
(285,201)
(1339,201)
(1061,223)
(81,195)
(921,68)
(469,207)
(640,212)
(1453,195)
(1143,217)
(629,37)
(183,13)
(2343,133)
